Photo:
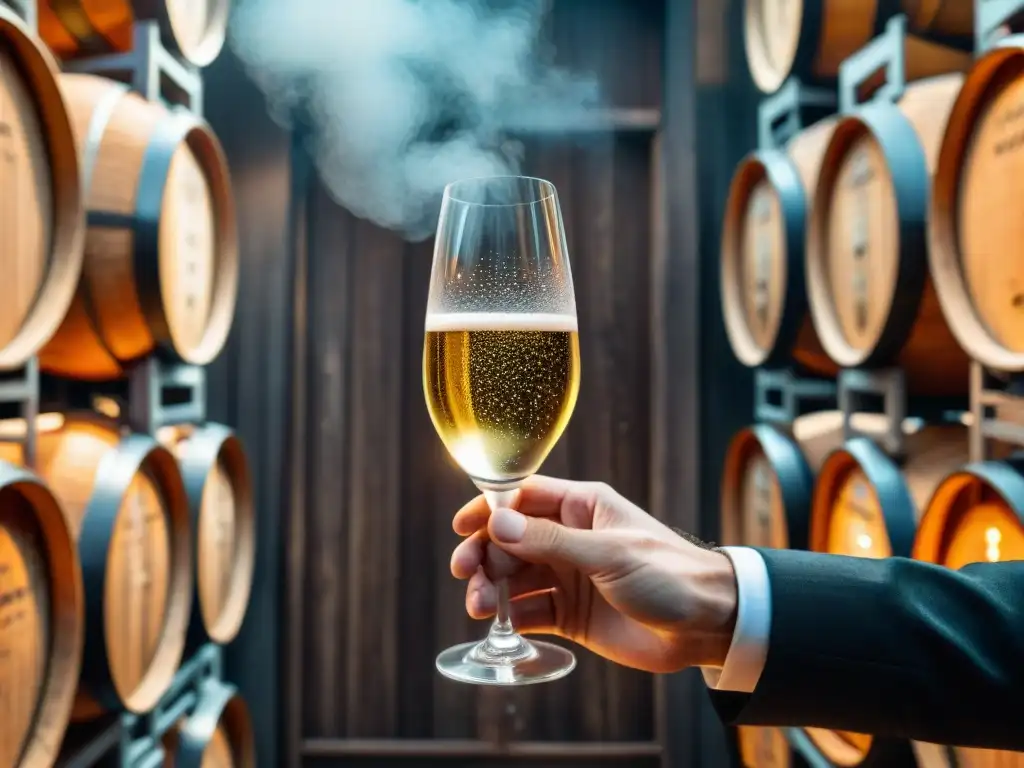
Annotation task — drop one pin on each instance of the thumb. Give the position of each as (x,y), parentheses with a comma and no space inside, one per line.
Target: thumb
(542,540)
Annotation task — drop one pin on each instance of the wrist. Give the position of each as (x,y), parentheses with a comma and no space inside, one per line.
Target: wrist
(716,601)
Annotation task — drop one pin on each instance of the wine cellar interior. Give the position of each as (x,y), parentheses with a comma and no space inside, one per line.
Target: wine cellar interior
(225,515)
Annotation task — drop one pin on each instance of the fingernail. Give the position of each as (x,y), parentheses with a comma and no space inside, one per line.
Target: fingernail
(508,525)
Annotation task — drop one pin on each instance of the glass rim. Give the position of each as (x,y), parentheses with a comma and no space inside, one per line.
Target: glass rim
(544,183)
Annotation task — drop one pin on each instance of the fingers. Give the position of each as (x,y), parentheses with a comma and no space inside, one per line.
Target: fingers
(539,496)
(532,613)
(477,551)
(469,555)
(536,613)
(540,540)
(472,517)
(482,594)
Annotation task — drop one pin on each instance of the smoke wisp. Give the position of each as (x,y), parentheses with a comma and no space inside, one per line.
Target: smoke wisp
(404,96)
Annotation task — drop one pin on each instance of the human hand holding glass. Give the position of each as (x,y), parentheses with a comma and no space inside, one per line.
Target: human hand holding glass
(501,372)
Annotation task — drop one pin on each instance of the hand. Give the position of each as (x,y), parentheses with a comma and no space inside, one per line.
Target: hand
(585,564)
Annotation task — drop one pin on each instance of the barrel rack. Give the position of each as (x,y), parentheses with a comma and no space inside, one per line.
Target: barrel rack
(134,741)
(781,394)
(157,391)
(995,401)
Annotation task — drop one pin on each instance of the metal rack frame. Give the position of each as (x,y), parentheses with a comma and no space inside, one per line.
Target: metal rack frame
(781,395)
(135,741)
(989,16)
(991,398)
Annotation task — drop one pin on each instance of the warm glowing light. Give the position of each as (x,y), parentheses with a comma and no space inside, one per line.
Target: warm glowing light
(108,406)
(993,537)
(14,429)
(864,541)
(470,454)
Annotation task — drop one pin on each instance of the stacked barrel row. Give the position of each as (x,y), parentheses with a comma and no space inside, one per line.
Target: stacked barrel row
(120,553)
(883,237)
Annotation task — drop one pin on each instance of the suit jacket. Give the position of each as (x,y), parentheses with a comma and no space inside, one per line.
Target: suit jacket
(891,647)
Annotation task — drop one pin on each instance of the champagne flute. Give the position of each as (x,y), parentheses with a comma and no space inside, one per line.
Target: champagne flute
(501,371)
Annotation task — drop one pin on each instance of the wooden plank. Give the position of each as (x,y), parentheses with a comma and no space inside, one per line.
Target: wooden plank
(432,748)
(420,564)
(525,120)
(659,254)
(675,324)
(295,464)
(326,615)
(629,339)
(485,761)
(373,508)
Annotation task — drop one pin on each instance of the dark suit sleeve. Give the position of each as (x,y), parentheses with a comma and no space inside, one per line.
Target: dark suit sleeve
(891,647)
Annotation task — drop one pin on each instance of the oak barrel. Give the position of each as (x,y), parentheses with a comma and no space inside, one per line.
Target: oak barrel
(768,480)
(866,504)
(126,505)
(941,756)
(767,485)
(42,620)
(161,251)
(811,38)
(871,299)
(764,299)
(952,18)
(219,487)
(976,235)
(763,747)
(218,733)
(42,221)
(975,515)
(195,29)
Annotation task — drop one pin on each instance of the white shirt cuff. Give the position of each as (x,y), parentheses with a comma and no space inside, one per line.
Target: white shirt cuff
(749,648)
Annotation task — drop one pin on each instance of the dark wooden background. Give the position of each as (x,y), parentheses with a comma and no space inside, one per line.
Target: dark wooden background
(322,378)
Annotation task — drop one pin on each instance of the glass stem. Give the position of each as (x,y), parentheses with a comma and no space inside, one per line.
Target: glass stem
(503,640)
(503,620)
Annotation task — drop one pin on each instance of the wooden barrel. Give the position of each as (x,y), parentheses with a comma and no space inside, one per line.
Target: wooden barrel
(768,480)
(976,239)
(866,505)
(941,756)
(195,29)
(42,222)
(764,299)
(811,38)
(126,504)
(42,620)
(871,299)
(218,733)
(976,515)
(952,18)
(767,486)
(161,252)
(763,747)
(219,487)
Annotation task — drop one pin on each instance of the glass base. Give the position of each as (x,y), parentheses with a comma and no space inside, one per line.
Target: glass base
(533,662)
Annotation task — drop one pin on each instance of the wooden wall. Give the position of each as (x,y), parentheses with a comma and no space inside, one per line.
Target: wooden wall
(353,598)
(370,599)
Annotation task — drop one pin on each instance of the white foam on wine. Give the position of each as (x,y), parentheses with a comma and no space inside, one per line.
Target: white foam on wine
(501,321)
